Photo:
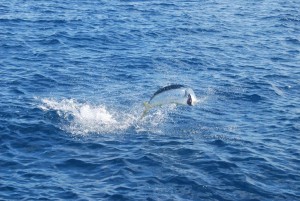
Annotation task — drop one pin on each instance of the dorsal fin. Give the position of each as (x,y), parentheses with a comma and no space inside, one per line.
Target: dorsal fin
(170,87)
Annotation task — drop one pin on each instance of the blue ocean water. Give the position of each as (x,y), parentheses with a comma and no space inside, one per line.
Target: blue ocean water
(75,74)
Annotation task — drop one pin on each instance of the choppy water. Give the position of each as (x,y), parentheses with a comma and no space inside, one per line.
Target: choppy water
(74,76)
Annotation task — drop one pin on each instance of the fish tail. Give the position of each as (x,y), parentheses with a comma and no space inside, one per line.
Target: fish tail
(146,110)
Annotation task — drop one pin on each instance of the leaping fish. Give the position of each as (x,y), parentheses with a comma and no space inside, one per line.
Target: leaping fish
(172,94)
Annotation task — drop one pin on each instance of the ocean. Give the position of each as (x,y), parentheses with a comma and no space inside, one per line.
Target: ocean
(75,75)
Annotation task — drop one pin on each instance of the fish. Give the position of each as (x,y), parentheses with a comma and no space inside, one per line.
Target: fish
(172,94)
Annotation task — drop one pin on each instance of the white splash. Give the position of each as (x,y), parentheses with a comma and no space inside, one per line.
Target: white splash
(85,118)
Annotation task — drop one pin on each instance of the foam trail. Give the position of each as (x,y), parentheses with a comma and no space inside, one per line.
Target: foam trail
(84,118)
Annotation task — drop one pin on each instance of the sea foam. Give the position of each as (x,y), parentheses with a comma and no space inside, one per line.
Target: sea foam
(82,118)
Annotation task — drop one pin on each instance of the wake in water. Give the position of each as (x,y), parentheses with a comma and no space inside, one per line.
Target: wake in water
(84,118)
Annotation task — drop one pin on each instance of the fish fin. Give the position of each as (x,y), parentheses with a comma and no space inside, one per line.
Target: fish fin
(146,110)
(147,105)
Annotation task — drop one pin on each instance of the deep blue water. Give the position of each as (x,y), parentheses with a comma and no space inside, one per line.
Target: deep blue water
(75,74)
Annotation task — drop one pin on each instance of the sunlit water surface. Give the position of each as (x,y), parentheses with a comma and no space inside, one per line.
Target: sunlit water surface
(74,76)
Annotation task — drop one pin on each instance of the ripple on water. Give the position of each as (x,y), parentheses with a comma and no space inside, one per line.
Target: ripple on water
(74,77)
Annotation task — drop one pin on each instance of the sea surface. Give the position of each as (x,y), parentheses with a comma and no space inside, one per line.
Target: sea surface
(74,76)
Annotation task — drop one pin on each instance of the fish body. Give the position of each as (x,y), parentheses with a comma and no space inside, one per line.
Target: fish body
(172,94)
